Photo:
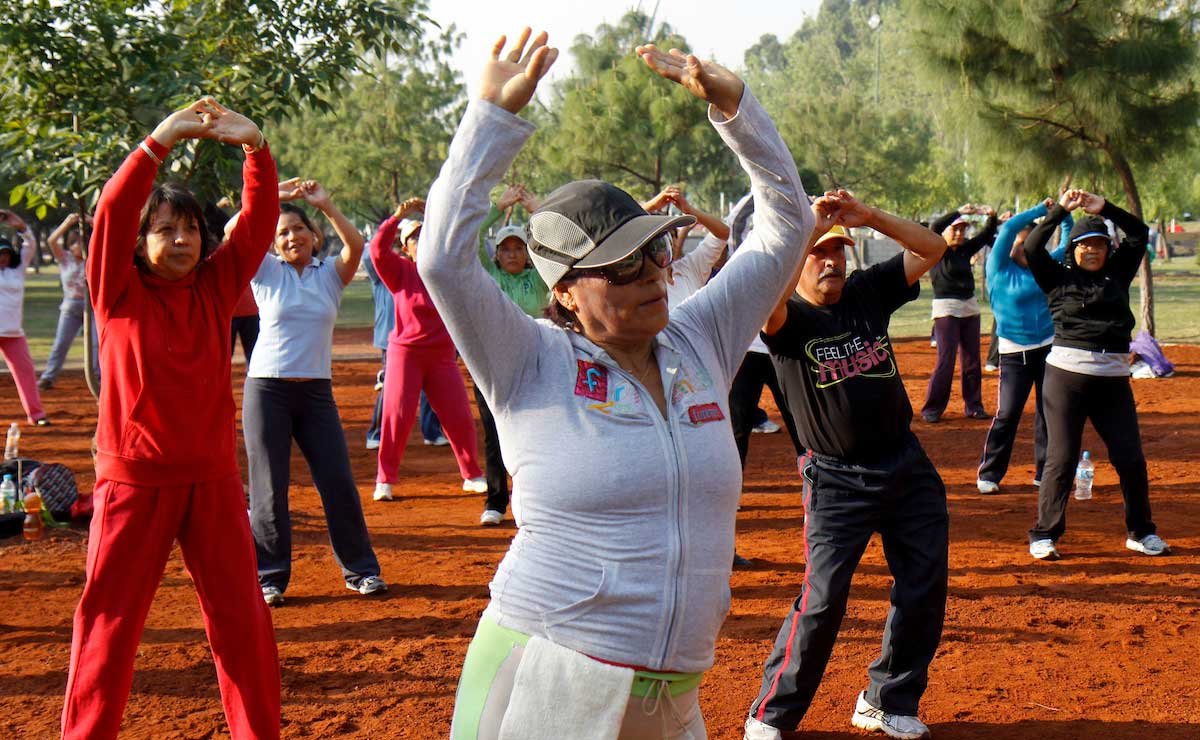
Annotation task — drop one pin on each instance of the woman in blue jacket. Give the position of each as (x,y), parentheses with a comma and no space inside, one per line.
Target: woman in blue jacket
(1024,331)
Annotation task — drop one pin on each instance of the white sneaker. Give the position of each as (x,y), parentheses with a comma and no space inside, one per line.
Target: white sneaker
(383,492)
(756,730)
(441,441)
(490,518)
(868,717)
(1037,482)
(372,444)
(990,368)
(475,485)
(767,427)
(272,595)
(987,486)
(1043,550)
(369,585)
(379,381)
(1151,544)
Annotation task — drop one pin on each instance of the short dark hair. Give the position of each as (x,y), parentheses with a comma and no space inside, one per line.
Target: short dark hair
(182,203)
(559,314)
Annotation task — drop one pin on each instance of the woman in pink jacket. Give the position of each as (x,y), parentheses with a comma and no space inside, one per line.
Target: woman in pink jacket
(421,356)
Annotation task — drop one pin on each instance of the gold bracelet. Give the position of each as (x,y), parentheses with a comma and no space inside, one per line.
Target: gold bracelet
(262,141)
(150,153)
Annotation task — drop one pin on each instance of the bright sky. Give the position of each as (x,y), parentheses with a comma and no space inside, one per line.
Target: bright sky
(720,29)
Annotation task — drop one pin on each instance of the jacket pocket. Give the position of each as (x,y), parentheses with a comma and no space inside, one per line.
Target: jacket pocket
(601,579)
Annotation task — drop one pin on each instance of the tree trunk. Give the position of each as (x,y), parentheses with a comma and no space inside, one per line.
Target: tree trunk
(1146,281)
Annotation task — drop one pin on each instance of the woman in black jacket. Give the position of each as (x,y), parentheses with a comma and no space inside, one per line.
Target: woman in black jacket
(1087,371)
(956,314)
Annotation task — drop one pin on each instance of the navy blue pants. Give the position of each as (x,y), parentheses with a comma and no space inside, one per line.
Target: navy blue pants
(274,412)
(904,500)
(1020,373)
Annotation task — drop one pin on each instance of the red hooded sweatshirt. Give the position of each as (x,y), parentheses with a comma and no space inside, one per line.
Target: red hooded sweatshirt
(166,403)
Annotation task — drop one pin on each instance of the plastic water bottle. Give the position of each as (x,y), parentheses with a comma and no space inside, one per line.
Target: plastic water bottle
(1083,477)
(34,526)
(8,494)
(12,442)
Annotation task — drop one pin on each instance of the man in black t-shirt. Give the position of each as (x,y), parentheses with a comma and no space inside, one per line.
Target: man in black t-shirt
(865,472)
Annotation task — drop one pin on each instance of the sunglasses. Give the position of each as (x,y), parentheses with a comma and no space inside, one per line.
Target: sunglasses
(629,268)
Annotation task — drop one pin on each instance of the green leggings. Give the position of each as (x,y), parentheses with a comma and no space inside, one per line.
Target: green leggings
(489,652)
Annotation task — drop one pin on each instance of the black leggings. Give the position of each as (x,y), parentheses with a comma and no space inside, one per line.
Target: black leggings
(1070,400)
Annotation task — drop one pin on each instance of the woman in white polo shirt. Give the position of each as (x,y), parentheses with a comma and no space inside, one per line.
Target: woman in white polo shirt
(289,395)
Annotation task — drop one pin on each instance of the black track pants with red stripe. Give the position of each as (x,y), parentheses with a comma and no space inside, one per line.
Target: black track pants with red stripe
(905,501)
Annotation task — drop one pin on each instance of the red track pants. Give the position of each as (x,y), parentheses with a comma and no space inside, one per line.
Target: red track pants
(408,371)
(132,532)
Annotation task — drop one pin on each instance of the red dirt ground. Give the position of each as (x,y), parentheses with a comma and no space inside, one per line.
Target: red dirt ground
(1101,644)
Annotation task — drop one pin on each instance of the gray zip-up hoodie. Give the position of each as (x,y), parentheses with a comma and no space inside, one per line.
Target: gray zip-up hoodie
(626,518)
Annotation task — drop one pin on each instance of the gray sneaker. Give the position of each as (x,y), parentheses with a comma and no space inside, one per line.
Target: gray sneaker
(1043,550)
(872,718)
(369,585)
(1151,544)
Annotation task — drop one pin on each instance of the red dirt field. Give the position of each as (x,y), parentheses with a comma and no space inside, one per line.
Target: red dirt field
(1101,644)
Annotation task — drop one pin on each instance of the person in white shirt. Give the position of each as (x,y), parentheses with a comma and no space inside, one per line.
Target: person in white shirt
(13,346)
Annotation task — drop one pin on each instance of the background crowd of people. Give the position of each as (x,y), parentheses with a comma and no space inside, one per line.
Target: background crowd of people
(595,343)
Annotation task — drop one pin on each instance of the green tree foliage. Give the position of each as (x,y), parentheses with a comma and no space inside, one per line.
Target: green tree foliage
(83,81)
(384,138)
(1060,86)
(841,92)
(615,120)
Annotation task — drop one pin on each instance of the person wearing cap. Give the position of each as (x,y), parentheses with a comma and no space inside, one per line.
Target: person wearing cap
(956,314)
(613,416)
(865,472)
(420,356)
(13,344)
(289,395)
(1024,332)
(1087,370)
(513,271)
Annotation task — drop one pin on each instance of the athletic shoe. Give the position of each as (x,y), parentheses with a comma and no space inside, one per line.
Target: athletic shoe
(931,418)
(43,422)
(379,381)
(44,384)
(440,441)
(874,719)
(490,518)
(1151,544)
(1043,550)
(767,427)
(741,562)
(932,342)
(980,414)
(756,730)
(272,595)
(987,486)
(475,485)
(369,585)
(1037,482)
(372,444)
(990,368)
(383,492)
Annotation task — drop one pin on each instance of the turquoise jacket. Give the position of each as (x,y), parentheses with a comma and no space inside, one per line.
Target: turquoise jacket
(1019,305)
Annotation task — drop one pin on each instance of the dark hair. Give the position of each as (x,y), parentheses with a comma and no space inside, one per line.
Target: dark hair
(557,312)
(182,203)
(7,246)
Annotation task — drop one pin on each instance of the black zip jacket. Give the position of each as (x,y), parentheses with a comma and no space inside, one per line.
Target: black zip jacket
(952,276)
(1090,309)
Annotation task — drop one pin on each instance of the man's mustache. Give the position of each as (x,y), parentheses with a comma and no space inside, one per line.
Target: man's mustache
(830,272)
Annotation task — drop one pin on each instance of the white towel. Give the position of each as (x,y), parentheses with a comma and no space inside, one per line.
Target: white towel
(559,693)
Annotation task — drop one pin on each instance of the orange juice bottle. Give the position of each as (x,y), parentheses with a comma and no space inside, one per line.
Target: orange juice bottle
(34,526)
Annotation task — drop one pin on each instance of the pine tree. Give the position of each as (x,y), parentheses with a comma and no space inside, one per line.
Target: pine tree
(1065,86)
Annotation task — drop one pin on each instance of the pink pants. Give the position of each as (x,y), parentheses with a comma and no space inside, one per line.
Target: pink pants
(436,371)
(132,532)
(20,364)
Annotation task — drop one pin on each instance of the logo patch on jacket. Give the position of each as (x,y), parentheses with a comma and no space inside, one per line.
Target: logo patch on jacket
(705,413)
(591,381)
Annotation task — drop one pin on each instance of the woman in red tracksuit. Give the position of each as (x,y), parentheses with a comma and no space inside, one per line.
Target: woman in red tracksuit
(166,465)
(420,356)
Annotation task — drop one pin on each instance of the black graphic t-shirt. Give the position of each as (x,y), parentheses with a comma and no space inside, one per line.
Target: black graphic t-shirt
(838,371)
